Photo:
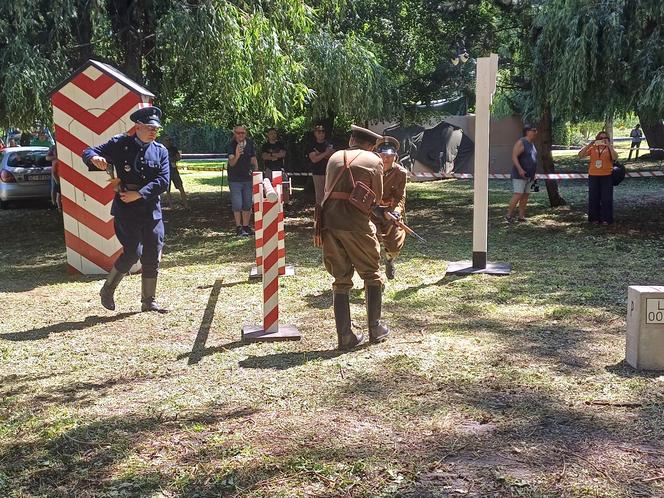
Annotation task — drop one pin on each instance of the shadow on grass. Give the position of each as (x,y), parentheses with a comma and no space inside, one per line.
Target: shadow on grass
(284,361)
(626,371)
(44,332)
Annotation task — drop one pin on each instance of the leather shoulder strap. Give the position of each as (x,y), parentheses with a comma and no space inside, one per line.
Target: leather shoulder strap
(336,180)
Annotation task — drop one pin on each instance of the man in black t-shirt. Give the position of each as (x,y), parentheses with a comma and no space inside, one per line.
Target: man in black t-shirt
(273,153)
(318,153)
(241,163)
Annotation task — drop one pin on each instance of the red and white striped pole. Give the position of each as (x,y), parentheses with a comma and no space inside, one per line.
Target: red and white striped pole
(270,208)
(270,258)
(277,181)
(257,186)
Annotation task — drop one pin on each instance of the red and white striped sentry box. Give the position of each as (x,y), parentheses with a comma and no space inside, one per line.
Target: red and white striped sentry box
(277,182)
(89,108)
(269,205)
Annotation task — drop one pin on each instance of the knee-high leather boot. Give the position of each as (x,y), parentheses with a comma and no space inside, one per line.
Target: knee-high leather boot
(346,338)
(107,292)
(148,291)
(377,331)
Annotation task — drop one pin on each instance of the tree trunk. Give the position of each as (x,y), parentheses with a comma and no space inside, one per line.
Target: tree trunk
(653,129)
(544,141)
(129,20)
(82,29)
(608,126)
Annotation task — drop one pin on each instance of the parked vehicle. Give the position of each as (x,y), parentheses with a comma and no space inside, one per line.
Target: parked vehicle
(24,174)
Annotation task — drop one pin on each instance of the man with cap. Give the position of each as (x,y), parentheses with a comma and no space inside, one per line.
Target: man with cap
(349,238)
(393,201)
(142,169)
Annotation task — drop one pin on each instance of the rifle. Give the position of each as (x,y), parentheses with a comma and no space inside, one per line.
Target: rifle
(397,221)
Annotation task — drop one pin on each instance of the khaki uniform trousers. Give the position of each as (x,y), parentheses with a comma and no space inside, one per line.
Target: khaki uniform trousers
(345,252)
(319,188)
(392,237)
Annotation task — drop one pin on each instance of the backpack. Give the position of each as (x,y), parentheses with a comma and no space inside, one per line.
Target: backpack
(618,173)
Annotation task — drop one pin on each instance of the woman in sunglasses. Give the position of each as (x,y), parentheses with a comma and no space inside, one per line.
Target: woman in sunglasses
(600,180)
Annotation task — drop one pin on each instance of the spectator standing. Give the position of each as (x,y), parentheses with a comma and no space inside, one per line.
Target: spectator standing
(52,155)
(173,157)
(319,153)
(12,143)
(600,178)
(524,169)
(273,153)
(241,162)
(636,134)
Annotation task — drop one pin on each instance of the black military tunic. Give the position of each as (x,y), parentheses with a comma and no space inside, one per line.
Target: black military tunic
(142,167)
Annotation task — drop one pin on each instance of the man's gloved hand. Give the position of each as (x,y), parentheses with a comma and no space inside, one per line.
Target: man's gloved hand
(378,211)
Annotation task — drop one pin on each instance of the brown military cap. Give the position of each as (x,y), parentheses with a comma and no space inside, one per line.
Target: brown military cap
(364,131)
(387,145)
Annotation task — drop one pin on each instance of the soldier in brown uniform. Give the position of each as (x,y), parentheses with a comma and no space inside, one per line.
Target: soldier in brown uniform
(349,238)
(394,200)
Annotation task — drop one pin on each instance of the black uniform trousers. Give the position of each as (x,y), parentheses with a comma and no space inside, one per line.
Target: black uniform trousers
(141,238)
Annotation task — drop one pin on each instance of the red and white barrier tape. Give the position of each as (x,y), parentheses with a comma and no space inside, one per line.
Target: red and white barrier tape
(507,176)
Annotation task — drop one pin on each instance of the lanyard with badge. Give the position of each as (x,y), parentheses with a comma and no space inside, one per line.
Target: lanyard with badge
(600,151)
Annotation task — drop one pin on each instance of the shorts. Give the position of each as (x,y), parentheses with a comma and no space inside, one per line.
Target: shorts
(175,179)
(522,185)
(241,193)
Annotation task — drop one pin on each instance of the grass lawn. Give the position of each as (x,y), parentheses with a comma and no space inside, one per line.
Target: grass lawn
(488,386)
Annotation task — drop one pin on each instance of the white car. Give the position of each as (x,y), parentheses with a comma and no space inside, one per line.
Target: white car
(24,174)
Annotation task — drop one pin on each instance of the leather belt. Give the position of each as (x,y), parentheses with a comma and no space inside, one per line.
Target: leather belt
(339,195)
(131,186)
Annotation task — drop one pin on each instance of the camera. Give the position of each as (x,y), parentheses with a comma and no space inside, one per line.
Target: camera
(535,186)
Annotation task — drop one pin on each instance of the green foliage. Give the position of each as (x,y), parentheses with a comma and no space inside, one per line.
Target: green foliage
(596,58)
(216,61)
(346,79)
(198,138)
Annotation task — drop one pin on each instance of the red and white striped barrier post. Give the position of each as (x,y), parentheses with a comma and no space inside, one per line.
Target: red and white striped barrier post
(257,187)
(270,207)
(277,185)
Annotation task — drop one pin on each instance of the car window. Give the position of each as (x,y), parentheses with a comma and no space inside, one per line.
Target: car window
(28,159)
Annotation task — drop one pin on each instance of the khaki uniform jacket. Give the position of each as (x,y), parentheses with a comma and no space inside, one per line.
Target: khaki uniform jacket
(367,168)
(394,188)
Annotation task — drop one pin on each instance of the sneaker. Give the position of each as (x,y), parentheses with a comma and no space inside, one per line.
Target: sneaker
(247,230)
(239,231)
(509,219)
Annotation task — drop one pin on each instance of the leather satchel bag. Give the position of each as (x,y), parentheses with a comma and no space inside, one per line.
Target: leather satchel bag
(361,197)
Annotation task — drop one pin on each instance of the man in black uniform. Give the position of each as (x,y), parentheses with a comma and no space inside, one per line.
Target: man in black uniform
(142,169)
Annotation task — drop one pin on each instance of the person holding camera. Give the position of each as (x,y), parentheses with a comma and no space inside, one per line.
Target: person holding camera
(241,163)
(600,178)
(524,168)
